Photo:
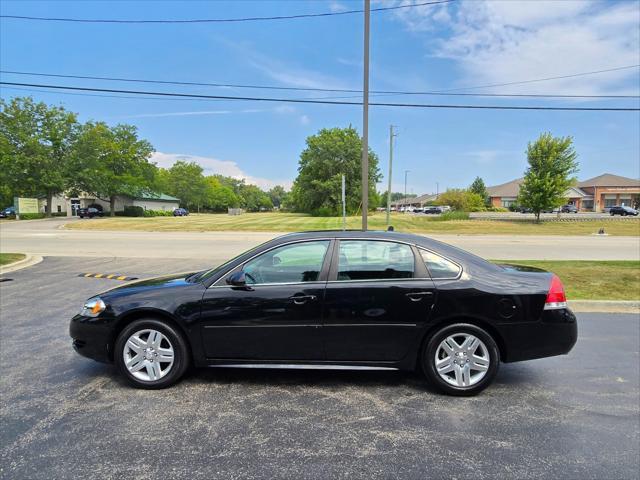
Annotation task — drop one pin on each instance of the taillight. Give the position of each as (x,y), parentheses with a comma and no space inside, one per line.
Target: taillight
(556,297)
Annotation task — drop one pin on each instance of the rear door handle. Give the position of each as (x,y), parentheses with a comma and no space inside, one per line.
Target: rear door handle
(417,296)
(302,299)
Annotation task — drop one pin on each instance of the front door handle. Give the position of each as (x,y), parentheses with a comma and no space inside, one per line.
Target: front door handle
(417,296)
(302,299)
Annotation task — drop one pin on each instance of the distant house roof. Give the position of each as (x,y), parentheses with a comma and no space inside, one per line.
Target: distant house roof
(610,180)
(509,189)
(427,197)
(158,197)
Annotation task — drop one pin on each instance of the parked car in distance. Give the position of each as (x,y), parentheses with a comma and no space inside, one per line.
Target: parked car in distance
(180,212)
(338,300)
(432,210)
(568,209)
(623,210)
(8,212)
(89,212)
(418,210)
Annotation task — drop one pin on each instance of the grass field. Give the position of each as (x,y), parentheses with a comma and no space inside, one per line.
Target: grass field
(7,258)
(593,280)
(289,222)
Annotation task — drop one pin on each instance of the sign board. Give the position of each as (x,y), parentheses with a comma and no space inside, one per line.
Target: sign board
(25,205)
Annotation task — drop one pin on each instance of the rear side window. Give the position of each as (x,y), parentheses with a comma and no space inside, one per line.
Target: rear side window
(374,260)
(439,267)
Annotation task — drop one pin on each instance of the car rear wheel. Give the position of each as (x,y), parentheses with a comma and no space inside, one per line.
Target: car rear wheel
(461,359)
(151,354)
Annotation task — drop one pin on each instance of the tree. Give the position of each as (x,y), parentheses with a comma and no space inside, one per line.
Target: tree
(36,144)
(463,200)
(112,161)
(219,197)
(552,163)
(253,199)
(330,154)
(278,196)
(187,182)
(479,187)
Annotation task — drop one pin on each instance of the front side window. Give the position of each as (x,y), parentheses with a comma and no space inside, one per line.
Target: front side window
(438,266)
(374,260)
(299,262)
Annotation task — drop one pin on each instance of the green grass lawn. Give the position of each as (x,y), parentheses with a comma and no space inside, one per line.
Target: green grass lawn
(290,222)
(593,280)
(7,258)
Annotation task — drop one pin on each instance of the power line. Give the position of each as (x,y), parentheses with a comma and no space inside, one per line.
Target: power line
(323,102)
(341,90)
(221,20)
(544,79)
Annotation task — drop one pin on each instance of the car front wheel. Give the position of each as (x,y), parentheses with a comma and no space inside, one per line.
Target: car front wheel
(151,354)
(461,359)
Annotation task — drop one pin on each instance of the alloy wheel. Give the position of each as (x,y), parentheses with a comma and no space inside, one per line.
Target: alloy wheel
(148,355)
(462,360)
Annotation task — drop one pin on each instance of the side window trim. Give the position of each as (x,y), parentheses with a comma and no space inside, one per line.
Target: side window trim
(418,271)
(457,276)
(322,276)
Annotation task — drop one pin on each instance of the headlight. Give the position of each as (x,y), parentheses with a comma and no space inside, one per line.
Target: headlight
(93,307)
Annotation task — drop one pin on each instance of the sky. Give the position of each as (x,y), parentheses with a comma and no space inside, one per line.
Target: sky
(452,46)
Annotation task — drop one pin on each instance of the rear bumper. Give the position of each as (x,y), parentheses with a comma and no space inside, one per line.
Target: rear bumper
(90,338)
(555,334)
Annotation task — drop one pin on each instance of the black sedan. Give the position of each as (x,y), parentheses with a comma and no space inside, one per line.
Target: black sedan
(623,211)
(337,300)
(89,212)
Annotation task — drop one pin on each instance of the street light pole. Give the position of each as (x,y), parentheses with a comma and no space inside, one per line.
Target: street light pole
(365,118)
(391,135)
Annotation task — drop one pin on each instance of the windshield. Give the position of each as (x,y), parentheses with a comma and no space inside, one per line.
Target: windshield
(206,274)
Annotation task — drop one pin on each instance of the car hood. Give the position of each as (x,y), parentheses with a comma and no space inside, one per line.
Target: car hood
(176,280)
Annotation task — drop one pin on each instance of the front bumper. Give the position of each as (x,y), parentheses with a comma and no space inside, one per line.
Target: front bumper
(91,338)
(554,334)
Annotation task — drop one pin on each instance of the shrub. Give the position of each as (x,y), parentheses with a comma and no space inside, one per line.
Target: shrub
(323,212)
(464,200)
(133,211)
(452,215)
(497,209)
(157,213)
(31,216)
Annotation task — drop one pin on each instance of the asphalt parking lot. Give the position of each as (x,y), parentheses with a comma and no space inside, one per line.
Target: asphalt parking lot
(64,416)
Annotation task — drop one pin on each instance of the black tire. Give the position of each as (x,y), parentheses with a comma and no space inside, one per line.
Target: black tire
(428,361)
(180,349)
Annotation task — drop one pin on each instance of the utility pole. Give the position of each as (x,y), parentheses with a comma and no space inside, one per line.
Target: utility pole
(437,190)
(405,190)
(391,135)
(365,118)
(344,205)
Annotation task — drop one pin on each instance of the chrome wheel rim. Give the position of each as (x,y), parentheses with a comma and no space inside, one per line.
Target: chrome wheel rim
(462,360)
(148,355)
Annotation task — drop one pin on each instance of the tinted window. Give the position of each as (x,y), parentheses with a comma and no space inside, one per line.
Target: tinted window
(371,260)
(299,262)
(438,266)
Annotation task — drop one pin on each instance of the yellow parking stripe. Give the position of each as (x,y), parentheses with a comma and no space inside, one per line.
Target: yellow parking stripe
(110,276)
(122,277)
(98,275)
(88,274)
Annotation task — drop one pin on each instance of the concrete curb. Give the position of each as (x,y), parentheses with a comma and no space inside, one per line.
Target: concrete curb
(28,261)
(605,306)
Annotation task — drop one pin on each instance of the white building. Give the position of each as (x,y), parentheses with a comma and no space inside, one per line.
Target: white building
(150,201)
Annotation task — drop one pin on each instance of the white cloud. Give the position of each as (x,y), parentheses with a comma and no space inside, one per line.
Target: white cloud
(283,72)
(197,112)
(506,41)
(337,7)
(305,120)
(213,166)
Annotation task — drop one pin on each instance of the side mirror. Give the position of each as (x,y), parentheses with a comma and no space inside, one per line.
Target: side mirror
(237,279)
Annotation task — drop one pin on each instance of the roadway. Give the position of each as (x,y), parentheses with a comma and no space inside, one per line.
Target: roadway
(48,238)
